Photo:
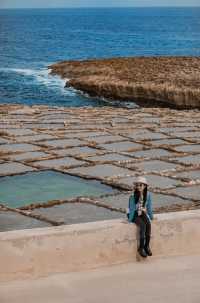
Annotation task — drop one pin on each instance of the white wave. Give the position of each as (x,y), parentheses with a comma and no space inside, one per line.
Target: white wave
(44,77)
(27,72)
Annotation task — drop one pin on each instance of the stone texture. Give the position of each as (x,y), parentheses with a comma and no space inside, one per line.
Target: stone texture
(110,158)
(151,153)
(13,221)
(152,165)
(19,132)
(167,80)
(159,200)
(161,182)
(192,192)
(120,200)
(189,160)
(192,134)
(13,148)
(63,143)
(34,138)
(78,213)
(100,171)
(105,139)
(4,141)
(146,135)
(27,156)
(83,151)
(190,148)
(191,174)
(121,146)
(167,142)
(14,168)
(58,163)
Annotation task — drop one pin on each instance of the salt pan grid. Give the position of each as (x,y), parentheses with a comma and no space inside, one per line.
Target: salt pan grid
(113,145)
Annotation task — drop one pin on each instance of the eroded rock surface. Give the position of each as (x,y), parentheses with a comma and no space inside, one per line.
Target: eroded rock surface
(168,81)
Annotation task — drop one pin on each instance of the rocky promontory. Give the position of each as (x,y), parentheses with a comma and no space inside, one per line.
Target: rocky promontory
(168,81)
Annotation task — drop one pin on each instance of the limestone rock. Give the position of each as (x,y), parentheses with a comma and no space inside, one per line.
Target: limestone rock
(165,81)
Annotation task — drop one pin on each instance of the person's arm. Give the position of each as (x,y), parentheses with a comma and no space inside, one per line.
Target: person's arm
(131,208)
(149,206)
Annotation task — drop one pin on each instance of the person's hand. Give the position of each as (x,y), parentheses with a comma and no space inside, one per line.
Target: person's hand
(127,210)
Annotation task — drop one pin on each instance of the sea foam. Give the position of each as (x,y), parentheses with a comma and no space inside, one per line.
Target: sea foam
(43,77)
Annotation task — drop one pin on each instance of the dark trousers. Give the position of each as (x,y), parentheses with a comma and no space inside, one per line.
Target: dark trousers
(144,224)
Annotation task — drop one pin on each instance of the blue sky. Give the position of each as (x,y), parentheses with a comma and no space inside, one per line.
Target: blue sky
(93,3)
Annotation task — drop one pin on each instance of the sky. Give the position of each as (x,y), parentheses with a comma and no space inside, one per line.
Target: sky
(94,3)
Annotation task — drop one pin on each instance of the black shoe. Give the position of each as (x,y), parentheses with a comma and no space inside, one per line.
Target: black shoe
(148,250)
(142,252)
(141,248)
(146,246)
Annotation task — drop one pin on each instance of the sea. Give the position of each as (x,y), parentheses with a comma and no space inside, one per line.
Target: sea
(33,39)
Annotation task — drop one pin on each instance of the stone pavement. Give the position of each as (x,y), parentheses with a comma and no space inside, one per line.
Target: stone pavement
(165,280)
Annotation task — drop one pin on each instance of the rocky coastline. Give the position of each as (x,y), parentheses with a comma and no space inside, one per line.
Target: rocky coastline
(163,81)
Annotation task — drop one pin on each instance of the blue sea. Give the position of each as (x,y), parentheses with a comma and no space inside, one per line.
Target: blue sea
(32,39)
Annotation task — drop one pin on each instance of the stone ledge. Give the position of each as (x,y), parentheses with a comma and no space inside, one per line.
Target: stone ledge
(165,81)
(34,253)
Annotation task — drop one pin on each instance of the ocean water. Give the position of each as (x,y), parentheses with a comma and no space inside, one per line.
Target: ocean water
(31,40)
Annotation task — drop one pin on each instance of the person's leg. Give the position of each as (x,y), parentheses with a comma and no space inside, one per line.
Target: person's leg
(142,228)
(147,234)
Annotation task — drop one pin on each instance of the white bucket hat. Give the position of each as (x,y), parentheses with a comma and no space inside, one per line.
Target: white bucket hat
(142,180)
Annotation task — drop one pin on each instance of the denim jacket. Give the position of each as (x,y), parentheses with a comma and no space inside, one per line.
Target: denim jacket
(132,207)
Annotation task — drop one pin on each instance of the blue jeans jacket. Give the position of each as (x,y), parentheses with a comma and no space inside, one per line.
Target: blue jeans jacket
(132,207)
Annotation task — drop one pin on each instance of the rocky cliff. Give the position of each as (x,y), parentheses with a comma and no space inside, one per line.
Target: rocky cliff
(168,81)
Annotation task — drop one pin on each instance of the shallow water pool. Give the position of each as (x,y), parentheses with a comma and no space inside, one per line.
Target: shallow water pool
(43,186)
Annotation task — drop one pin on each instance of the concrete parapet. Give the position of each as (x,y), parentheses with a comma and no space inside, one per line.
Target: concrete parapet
(39,252)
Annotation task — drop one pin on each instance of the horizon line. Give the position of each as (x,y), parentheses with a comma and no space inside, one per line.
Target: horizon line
(100,7)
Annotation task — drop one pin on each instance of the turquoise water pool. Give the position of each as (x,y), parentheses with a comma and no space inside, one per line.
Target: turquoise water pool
(43,186)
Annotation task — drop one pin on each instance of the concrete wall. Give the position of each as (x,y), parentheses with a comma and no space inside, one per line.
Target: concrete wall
(39,252)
